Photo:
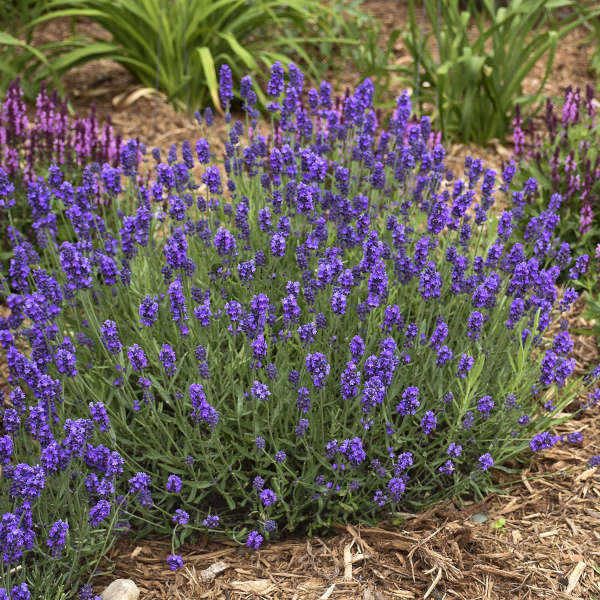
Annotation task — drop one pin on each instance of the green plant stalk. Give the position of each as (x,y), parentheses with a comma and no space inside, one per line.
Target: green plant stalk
(474,89)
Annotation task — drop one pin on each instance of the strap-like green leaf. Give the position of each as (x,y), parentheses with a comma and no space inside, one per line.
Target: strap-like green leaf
(208,67)
(239,50)
(95,51)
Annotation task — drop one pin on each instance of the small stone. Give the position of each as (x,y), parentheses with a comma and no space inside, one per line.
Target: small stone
(207,575)
(121,589)
(479,518)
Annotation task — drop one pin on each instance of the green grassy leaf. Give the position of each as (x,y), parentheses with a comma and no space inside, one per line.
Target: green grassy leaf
(208,66)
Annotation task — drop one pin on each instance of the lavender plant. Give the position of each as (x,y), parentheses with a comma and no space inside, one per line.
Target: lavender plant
(564,159)
(28,148)
(327,328)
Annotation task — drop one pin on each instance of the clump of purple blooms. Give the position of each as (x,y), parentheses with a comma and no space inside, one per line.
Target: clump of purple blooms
(53,137)
(331,320)
(32,142)
(565,156)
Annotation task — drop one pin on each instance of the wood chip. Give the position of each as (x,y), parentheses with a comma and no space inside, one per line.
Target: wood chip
(358,539)
(257,586)
(547,534)
(396,545)
(379,532)
(496,571)
(574,576)
(348,562)
(516,536)
(513,505)
(210,555)
(585,475)
(209,574)
(572,526)
(433,584)
(328,592)
(526,484)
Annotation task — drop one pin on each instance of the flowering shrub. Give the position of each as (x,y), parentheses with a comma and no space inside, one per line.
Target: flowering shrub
(564,159)
(28,148)
(320,332)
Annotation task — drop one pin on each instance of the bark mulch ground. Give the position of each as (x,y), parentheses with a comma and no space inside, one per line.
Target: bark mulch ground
(546,546)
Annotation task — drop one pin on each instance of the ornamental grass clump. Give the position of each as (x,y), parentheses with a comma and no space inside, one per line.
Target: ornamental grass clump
(470,59)
(177,47)
(328,328)
(564,159)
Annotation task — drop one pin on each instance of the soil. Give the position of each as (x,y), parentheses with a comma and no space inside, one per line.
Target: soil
(538,537)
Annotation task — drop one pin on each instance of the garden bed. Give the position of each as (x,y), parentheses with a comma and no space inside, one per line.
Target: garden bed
(539,540)
(550,526)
